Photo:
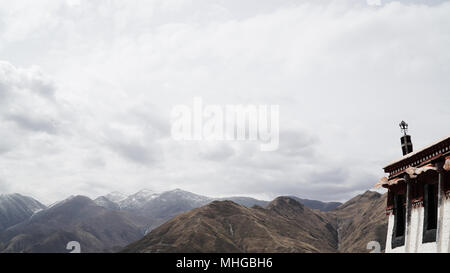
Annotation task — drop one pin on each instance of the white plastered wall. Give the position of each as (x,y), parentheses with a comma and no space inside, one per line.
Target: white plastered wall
(414,232)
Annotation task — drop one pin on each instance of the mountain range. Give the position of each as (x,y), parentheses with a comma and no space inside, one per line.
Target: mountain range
(148,220)
(157,208)
(284,225)
(77,218)
(15,208)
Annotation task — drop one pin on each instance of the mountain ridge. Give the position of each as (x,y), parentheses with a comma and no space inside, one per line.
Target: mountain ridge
(15,208)
(286,218)
(224,226)
(76,218)
(344,229)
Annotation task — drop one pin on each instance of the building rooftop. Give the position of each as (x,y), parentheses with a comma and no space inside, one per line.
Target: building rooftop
(420,157)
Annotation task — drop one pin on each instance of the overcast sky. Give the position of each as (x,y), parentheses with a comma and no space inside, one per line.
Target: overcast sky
(87,88)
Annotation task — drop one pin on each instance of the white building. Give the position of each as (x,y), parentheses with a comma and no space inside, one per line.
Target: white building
(419,199)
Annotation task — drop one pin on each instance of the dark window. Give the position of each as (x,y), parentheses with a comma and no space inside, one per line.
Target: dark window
(430,213)
(431,207)
(400,216)
(446,179)
(398,235)
(390,199)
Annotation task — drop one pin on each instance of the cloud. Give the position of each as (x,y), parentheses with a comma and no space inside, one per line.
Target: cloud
(135,152)
(27,99)
(18,81)
(216,151)
(4,187)
(33,124)
(86,91)
(298,143)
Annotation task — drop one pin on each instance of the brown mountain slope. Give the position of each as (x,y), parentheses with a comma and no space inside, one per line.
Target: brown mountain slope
(361,220)
(224,226)
(283,226)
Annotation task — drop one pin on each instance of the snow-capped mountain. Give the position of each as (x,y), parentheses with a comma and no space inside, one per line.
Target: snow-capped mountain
(146,199)
(170,203)
(138,200)
(103,201)
(160,207)
(155,207)
(116,196)
(15,208)
(76,218)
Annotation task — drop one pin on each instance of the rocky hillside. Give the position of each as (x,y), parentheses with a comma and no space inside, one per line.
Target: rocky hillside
(157,208)
(361,220)
(284,225)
